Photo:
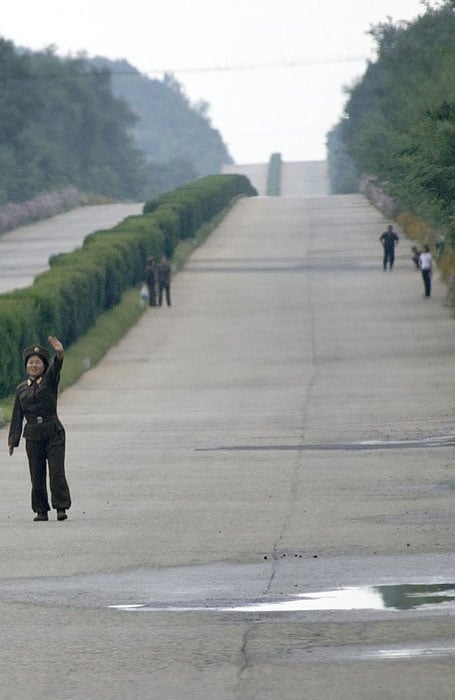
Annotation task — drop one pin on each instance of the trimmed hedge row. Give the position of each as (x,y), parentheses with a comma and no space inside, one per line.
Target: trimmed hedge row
(181,212)
(67,299)
(273,188)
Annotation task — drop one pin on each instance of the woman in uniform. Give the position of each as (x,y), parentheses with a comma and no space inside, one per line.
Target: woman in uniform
(36,401)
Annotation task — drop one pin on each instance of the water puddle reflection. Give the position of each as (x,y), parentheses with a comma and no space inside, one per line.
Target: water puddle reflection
(434,649)
(386,597)
(411,653)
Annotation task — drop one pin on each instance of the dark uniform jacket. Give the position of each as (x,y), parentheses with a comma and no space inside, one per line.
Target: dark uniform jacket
(36,401)
(388,240)
(150,275)
(164,273)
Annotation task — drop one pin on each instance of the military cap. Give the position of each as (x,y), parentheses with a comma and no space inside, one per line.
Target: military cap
(36,350)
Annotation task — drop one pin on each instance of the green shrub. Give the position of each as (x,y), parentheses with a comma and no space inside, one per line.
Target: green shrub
(67,299)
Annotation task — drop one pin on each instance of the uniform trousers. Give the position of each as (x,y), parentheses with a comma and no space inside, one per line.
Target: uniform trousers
(49,448)
(389,255)
(152,293)
(426,274)
(167,289)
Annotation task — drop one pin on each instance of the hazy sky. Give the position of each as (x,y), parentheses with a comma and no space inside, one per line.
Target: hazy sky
(272,71)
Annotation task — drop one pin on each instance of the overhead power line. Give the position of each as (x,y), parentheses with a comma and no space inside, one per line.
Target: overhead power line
(218,68)
(266,65)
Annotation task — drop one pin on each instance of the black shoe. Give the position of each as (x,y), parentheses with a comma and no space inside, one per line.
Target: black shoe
(40,517)
(61,515)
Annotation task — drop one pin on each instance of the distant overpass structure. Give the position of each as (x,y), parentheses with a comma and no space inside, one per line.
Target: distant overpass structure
(307,178)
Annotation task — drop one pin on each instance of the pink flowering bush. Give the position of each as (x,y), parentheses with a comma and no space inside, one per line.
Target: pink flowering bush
(44,206)
(378,198)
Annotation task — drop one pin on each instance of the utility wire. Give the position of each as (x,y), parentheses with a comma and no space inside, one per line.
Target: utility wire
(266,65)
(87,69)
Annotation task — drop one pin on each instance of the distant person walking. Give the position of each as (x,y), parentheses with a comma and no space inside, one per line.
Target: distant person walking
(426,266)
(36,401)
(389,239)
(150,280)
(164,280)
(415,256)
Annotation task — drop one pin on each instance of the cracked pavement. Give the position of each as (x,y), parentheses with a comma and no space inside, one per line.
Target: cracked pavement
(213,457)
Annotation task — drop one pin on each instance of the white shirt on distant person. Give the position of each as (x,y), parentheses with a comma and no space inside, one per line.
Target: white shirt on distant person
(425,261)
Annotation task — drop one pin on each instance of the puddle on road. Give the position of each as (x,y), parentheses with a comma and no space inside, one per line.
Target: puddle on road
(386,597)
(435,649)
(400,597)
(410,653)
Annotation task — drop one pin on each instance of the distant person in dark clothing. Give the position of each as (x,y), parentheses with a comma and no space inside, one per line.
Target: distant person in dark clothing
(164,280)
(150,280)
(415,256)
(36,401)
(426,266)
(389,239)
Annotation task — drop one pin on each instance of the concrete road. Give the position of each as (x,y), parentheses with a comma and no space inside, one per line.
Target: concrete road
(298,179)
(305,179)
(25,252)
(262,475)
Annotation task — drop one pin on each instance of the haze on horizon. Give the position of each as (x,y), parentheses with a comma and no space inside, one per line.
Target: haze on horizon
(273,74)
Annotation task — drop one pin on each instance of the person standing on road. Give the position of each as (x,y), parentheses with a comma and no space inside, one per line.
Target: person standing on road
(426,266)
(150,281)
(415,256)
(389,239)
(36,401)
(164,280)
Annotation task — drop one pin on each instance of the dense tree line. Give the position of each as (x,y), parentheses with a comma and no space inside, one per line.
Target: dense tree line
(399,120)
(60,124)
(175,136)
(343,174)
(69,122)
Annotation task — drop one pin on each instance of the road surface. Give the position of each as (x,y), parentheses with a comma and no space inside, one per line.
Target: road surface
(305,179)
(25,251)
(255,172)
(298,179)
(261,475)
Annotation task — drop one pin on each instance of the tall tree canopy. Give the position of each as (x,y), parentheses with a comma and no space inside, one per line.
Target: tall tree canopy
(176,136)
(99,126)
(60,124)
(399,121)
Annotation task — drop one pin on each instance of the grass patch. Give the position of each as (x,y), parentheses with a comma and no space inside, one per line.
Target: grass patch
(106,332)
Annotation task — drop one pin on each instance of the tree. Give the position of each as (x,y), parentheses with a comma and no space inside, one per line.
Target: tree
(60,124)
(399,120)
